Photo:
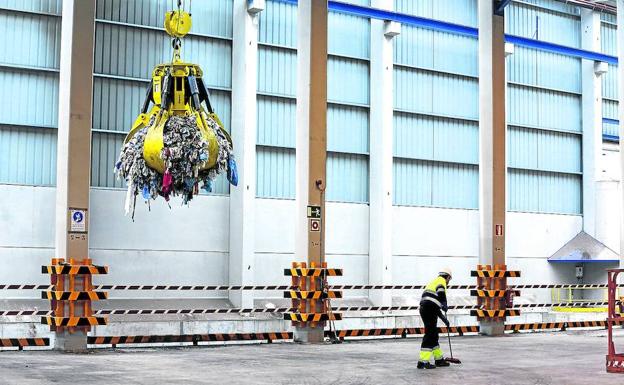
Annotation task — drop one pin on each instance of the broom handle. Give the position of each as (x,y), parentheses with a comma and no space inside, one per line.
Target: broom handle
(448,333)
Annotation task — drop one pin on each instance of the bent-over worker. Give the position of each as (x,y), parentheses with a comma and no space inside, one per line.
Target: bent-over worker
(433,305)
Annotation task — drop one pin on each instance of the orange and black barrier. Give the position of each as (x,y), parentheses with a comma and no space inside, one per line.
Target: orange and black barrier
(194,338)
(495,274)
(74,269)
(74,321)
(492,293)
(23,342)
(313,272)
(312,317)
(312,294)
(537,326)
(494,313)
(74,295)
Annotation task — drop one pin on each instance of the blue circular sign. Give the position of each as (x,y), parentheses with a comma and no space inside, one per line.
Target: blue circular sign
(78,217)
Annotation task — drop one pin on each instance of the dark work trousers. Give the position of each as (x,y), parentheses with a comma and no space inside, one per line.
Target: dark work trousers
(429,314)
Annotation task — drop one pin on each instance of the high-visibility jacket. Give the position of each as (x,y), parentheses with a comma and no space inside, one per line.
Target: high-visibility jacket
(435,292)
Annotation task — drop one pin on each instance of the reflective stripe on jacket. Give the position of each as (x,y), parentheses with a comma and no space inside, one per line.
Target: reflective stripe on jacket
(435,292)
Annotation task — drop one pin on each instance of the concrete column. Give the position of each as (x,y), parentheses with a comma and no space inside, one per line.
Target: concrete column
(492,142)
(311,155)
(381,111)
(620,53)
(74,142)
(242,197)
(592,118)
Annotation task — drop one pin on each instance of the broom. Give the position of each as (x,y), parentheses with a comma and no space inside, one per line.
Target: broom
(451,360)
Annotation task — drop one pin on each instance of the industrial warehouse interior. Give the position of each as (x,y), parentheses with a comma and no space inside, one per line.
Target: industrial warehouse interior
(311,192)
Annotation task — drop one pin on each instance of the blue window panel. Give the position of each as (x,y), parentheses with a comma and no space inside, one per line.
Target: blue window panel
(28,155)
(357,29)
(545,69)
(543,24)
(152,13)
(276,173)
(454,11)
(435,93)
(30,40)
(347,178)
(608,38)
(610,83)
(534,107)
(278,24)
(436,138)
(276,121)
(426,183)
(29,98)
(116,103)
(277,71)
(534,191)
(347,129)
(44,6)
(455,186)
(133,52)
(347,80)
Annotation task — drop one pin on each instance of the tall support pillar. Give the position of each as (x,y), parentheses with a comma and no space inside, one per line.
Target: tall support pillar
(243,196)
(311,155)
(74,143)
(620,53)
(492,142)
(381,110)
(592,118)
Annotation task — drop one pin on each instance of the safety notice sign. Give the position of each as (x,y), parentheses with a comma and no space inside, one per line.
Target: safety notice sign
(499,230)
(315,225)
(78,220)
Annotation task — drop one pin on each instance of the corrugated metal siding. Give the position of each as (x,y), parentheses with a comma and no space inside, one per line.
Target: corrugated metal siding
(129,42)
(276,173)
(278,24)
(544,111)
(44,6)
(610,92)
(455,11)
(29,66)
(435,93)
(347,129)
(610,111)
(426,183)
(543,24)
(277,71)
(276,122)
(609,83)
(608,38)
(347,177)
(347,80)
(356,28)
(152,13)
(28,155)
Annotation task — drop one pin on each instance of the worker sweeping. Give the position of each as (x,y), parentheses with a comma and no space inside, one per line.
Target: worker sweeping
(433,305)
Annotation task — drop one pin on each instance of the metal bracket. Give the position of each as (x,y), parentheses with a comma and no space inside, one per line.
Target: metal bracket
(499,7)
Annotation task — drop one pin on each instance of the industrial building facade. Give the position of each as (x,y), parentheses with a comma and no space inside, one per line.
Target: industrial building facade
(563,170)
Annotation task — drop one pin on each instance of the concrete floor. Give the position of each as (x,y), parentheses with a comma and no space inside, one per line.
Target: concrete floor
(576,357)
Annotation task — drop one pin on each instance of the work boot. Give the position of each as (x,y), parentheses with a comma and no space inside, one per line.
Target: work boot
(425,365)
(442,362)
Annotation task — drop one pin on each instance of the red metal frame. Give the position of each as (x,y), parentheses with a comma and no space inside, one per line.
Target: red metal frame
(615,361)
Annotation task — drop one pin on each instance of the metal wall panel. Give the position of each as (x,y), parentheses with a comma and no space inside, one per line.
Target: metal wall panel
(53,7)
(347,80)
(435,93)
(426,183)
(29,98)
(543,24)
(553,5)
(347,129)
(277,71)
(30,40)
(455,11)
(278,24)
(534,191)
(347,177)
(28,155)
(276,121)
(610,111)
(275,172)
(544,69)
(104,152)
(348,35)
(544,150)
(610,83)
(608,38)
(435,138)
(116,103)
(423,48)
(213,17)
(543,108)
(133,52)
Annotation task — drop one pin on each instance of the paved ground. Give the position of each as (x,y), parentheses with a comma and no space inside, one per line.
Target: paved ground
(539,358)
